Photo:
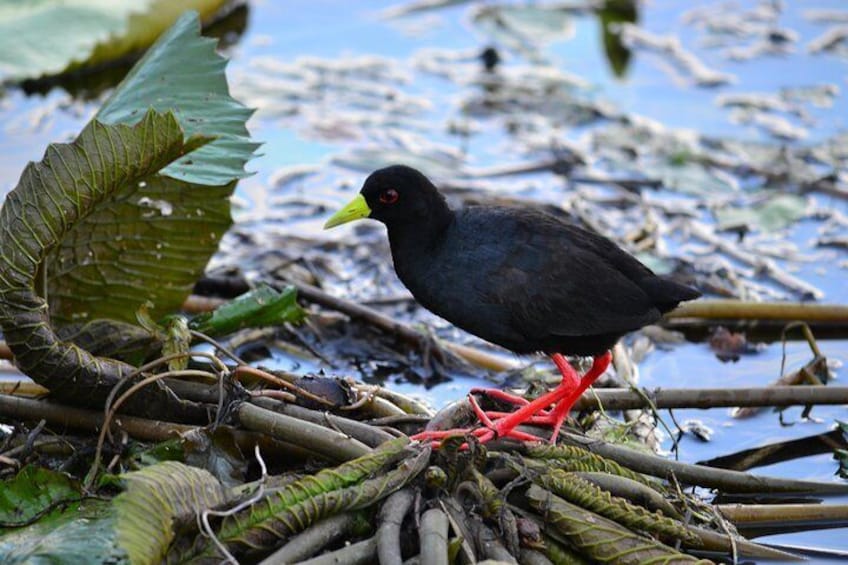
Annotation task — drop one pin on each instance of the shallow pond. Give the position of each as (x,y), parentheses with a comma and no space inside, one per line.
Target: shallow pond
(665,122)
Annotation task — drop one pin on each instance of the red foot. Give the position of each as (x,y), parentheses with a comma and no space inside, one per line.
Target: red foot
(502,425)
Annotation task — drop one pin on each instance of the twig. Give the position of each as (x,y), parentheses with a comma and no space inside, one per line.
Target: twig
(411,419)
(274,379)
(111,409)
(733,544)
(62,416)
(747,514)
(391,517)
(329,443)
(623,399)
(314,538)
(196,304)
(490,544)
(217,345)
(274,394)
(355,553)
(404,331)
(722,479)
(368,434)
(206,527)
(379,407)
(806,374)
(766,266)
(458,520)
(405,403)
(433,536)
(745,310)
(46,445)
(19,388)
(533,557)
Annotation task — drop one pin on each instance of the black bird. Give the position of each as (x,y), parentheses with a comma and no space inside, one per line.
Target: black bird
(517,277)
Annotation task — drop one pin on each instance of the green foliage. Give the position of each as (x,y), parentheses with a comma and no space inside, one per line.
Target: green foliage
(263,306)
(61,526)
(294,518)
(82,534)
(612,14)
(322,482)
(583,493)
(34,491)
(573,458)
(291,508)
(603,540)
(156,500)
(49,225)
(50,37)
(182,73)
(107,229)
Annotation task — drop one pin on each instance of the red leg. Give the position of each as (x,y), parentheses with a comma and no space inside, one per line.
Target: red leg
(569,376)
(502,425)
(560,412)
(566,370)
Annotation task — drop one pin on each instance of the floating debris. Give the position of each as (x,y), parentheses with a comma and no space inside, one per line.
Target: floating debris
(695,70)
(730,346)
(834,40)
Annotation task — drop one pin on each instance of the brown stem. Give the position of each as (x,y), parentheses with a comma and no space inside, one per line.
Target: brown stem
(743,310)
(755,513)
(622,399)
(316,537)
(331,444)
(725,480)
(62,416)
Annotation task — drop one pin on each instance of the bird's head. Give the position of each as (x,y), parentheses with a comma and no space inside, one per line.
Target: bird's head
(396,195)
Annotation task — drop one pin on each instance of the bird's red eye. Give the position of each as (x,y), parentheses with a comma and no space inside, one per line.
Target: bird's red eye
(389,196)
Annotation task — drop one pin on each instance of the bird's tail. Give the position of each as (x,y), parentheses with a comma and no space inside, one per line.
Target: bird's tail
(667,294)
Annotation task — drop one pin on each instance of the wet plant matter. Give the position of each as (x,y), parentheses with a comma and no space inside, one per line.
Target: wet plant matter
(712,209)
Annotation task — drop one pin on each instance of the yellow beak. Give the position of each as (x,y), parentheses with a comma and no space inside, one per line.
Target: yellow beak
(354,210)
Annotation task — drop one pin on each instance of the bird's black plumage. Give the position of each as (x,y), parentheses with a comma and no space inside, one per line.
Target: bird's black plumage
(517,277)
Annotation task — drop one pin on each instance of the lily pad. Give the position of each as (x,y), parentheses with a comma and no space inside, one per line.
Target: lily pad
(775,213)
(52,37)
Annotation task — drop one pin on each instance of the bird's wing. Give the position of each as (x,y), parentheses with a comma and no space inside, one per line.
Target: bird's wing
(562,281)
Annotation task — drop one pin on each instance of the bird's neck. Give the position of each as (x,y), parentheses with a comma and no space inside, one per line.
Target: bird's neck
(412,236)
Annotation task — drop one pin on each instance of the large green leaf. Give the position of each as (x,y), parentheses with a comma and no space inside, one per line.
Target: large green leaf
(74,192)
(148,240)
(182,73)
(96,230)
(49,37)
